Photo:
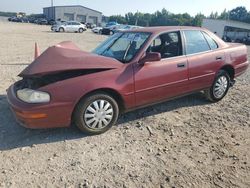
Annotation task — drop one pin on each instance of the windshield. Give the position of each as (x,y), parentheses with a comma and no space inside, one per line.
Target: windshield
(122,46)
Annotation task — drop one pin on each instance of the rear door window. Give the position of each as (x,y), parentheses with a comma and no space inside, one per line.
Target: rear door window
(213,45)
(195,42)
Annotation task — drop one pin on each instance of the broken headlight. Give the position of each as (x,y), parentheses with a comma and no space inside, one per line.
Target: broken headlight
(33,96)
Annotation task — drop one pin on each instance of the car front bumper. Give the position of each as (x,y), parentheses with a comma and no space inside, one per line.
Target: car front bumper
(37,116)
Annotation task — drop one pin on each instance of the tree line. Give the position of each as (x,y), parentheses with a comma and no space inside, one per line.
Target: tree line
(8,14)
(166,18)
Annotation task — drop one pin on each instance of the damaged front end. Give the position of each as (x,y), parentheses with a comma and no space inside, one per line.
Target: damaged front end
(58,63)
(27,89)
(36,99)
(61,62)
(36,82)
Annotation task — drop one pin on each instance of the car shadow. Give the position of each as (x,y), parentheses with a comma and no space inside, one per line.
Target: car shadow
(12,135)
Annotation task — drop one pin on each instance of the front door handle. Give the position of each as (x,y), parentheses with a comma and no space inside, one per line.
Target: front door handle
(218,58)
(181,65)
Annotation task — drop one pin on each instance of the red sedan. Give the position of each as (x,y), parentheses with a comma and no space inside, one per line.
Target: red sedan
(129,70)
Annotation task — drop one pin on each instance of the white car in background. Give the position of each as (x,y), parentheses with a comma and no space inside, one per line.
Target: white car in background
(70,26)
(97,30)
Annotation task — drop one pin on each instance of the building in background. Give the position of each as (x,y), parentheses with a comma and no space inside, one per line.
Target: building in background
(74,12)
(233,31)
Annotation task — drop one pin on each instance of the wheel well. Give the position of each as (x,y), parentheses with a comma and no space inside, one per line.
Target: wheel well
(230,70)
(118,98)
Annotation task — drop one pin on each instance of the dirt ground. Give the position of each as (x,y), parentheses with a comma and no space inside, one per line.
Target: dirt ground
(186,142)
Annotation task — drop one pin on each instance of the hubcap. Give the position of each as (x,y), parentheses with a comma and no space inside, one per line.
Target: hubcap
(98,114)
(220,87)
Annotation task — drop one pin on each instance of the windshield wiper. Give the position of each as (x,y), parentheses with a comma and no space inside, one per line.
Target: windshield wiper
(111,45)
(126,52)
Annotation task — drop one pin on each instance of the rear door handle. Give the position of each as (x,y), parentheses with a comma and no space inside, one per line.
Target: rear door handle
(181,65)
(218,58)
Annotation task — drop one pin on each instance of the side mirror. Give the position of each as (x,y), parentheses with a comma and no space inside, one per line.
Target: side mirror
(150,57)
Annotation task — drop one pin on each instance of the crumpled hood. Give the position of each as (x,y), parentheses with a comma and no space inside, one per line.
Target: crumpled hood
(66,56)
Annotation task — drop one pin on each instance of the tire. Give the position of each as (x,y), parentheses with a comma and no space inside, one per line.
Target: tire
(61,29)
(81,30)
(219,88)
(89,120)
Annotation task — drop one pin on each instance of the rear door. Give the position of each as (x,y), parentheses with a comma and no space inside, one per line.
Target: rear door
(75,26)
(68,27)
(156,81)
(204,59)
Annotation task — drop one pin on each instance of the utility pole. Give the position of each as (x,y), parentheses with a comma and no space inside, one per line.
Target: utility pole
(137,16)
(52,3)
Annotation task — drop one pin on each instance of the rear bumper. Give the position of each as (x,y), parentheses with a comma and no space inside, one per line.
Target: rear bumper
(241,68)
(37,116)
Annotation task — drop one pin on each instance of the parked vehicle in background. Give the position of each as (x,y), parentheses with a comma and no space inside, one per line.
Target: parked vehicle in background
(109,30)
(16,19)
(70,26)
(19,19)
(109,24)
(51,22)
(90,25)
(97,30)
(11,19)
(118,28)
(25,20)
(32,19)
(124,28)
(130,70)
(41,21)
(246,40)
(226,38)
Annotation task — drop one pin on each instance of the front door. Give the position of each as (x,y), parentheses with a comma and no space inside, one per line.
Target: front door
(160,80)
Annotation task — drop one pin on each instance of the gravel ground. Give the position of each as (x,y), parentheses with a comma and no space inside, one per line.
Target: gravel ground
(186,142)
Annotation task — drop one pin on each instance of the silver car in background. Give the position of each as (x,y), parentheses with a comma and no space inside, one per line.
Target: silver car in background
(70,26)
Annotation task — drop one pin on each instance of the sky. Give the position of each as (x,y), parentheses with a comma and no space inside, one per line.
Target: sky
(115,7)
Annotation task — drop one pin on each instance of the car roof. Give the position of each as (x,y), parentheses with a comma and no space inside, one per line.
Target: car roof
(160,29)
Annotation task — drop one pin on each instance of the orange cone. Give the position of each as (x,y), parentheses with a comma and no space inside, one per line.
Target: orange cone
(37,51)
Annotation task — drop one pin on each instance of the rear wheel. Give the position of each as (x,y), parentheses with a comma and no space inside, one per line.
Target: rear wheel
(61,29)
(81,30)
(219,88)
(96,114)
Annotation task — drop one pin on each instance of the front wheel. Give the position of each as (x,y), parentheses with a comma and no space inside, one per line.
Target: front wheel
(96,113)
(61,29)
(81,30)
(219,88)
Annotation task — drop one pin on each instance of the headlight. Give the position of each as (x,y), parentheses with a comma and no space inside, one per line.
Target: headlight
(32,96)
